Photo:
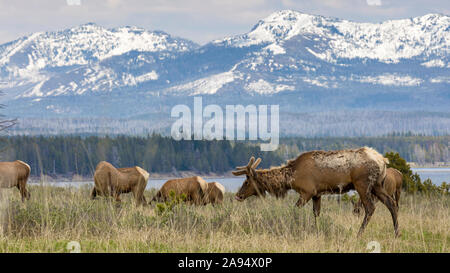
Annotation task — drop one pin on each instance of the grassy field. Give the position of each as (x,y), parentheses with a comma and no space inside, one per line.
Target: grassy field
(55,216)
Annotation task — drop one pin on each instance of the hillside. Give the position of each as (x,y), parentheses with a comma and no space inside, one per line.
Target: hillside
(305,63)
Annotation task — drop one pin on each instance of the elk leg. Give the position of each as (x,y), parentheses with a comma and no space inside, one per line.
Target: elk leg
(316,205)
(316,208)
(94,193)
(136,196)
(143,200)
(304,198)
(369,209)
(22,194)
(357,207)
(156,198)
(389,203)
(397,197)
(139,196)
(367,201)
(23,191)
(301,202)
(116,196)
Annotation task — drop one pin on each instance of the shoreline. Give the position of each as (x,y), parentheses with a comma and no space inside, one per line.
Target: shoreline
(153,176)
(436,165)
(167,176)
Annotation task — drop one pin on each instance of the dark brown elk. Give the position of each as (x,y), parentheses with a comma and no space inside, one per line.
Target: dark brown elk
(316,173)
(392,183)
(194,188)
(110,181)
(15,174)
(214,193)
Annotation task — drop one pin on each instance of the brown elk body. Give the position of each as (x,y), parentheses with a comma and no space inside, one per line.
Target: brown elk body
(315,173)
(194,188)
(110,181)
(214,193)
(15,174)
(392,183)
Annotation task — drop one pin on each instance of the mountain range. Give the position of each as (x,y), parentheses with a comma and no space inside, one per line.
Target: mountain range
(305,63)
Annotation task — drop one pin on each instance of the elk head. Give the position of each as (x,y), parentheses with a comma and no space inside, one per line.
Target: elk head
(251,185)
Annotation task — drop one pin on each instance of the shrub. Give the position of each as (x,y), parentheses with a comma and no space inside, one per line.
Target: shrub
(411,181)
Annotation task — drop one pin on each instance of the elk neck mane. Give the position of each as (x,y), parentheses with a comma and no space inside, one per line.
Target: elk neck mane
(277,180)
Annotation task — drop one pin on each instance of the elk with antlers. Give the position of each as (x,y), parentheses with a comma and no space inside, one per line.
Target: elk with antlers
(315,173)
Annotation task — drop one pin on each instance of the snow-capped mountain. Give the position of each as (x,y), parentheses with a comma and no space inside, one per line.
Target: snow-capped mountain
(388,42)
(85,44)
(38,60)
(306,61)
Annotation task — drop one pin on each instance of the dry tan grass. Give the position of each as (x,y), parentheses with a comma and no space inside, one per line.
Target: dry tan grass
(55,216)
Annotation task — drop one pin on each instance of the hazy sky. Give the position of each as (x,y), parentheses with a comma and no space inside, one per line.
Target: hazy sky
(198,20)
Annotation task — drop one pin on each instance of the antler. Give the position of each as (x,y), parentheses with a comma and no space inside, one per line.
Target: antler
(256,163)
(241,172)
(252,164)
(252,159)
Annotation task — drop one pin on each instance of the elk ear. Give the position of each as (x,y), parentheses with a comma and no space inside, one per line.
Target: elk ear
(240,172)
(256,163)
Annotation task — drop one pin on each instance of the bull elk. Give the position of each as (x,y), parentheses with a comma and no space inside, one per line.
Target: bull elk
(392,183)
(110,181)
(315,173)
(194,188)
(15,174)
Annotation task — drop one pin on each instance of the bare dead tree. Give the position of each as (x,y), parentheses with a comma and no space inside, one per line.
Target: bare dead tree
(5,123)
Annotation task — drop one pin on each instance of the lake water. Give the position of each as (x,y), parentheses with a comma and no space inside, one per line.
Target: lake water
(231,184)
(437,175)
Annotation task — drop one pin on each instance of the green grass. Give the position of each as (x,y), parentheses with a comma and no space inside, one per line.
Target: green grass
(55,216)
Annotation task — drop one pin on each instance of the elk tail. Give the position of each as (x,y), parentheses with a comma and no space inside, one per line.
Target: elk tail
(383,173)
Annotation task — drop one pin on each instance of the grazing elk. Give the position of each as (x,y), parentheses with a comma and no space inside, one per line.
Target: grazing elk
(214,193)
(193,187)
(392,183)
(315,173)
(110,181)
(15,174)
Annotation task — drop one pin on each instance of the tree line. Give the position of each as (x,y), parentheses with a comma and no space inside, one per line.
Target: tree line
(413,148)
(70,155)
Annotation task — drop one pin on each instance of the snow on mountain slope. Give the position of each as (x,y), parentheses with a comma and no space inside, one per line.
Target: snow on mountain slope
(287,53)
(43,57)
(84,44)
(36,58)
(388,41)
(209,85)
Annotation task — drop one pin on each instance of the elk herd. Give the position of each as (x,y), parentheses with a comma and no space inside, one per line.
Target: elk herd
(311,175)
